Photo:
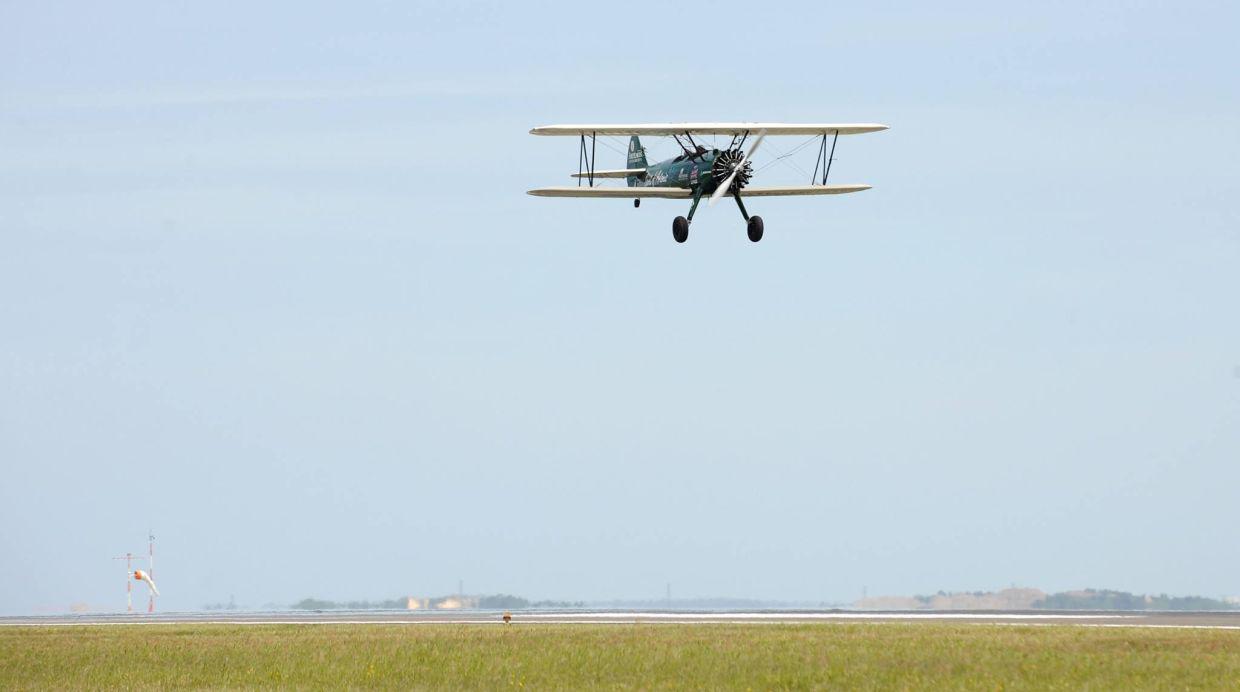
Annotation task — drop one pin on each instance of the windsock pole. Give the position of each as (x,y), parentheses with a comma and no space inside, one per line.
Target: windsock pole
(128,558)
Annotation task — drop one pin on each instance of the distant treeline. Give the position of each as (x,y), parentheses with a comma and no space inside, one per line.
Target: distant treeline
(1102,599)
(491,602)
(1025,598)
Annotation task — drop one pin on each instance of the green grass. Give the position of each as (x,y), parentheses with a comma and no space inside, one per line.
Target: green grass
(908,656)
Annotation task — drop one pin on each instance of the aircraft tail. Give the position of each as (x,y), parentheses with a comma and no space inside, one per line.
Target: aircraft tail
(637,158)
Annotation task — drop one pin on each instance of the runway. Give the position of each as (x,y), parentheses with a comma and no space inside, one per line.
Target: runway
(1209,620)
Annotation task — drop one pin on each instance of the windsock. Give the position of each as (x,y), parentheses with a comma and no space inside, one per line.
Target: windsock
(139,575)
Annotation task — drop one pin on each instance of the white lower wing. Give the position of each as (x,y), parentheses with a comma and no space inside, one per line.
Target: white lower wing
(801,190)
(614,192)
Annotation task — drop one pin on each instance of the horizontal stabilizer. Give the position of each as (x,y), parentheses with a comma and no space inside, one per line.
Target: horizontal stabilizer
(614,192)
(624,173)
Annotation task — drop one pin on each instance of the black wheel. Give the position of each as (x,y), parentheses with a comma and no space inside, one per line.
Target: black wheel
(637,202)
(680,229)
(755,228)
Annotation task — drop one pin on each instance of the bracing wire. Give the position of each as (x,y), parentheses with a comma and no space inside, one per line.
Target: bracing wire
(603,140)
(795,149)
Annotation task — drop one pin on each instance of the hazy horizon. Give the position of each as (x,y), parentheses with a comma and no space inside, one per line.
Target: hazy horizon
(274,291)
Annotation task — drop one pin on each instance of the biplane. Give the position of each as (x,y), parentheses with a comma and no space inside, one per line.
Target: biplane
(698,171)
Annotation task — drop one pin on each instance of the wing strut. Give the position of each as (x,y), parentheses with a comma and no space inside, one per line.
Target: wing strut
(587,155)
(824,159)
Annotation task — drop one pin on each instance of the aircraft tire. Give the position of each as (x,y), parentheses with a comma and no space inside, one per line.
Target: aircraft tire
(680,229)
(755,228)
(637,202)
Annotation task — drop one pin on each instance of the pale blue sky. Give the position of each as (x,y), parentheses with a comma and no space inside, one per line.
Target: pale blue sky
(273,288)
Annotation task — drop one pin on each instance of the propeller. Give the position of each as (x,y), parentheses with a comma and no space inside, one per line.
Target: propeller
(738,167)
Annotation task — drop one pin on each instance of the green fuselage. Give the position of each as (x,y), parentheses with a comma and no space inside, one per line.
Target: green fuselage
(682,171)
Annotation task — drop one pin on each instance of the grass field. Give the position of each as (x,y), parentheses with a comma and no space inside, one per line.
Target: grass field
(911,656)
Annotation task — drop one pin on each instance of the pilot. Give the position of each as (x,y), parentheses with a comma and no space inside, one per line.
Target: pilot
(698,152)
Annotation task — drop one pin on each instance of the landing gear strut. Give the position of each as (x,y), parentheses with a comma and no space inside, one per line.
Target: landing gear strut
(680,226)
(754,222)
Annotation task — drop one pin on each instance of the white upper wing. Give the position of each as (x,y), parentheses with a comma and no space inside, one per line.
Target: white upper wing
(666,129)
